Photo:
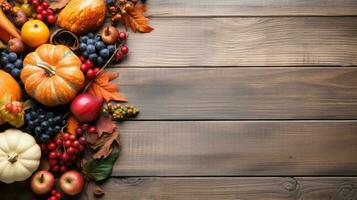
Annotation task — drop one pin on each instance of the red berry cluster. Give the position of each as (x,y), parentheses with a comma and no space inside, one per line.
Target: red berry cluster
(55,195)
(44,13)
(88,68)
(64,153)
(124,49)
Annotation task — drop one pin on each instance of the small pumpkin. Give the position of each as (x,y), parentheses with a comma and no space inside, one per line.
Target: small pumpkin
(51,75)
(19,156)
(9,86)
(82,16)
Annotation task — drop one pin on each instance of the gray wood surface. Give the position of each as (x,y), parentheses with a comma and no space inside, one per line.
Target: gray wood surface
(185,8)
(229,188)
(241,93)
(240,148)
(242,41)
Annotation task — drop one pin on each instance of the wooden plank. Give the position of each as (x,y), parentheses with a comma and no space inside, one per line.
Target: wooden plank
(241,93)
(169,8)
(229,188)
(286,41)
(249,148)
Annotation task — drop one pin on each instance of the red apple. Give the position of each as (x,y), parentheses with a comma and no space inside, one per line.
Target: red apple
(71,183)
(42,182)
(86,107)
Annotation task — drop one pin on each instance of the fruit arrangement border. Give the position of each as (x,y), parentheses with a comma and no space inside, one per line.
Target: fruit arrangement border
(58,105)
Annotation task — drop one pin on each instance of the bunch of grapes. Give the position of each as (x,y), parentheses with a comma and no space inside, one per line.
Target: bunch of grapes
(43,10)
(119,111)
(42,123)
(12,63)
(92,47)
(64,153)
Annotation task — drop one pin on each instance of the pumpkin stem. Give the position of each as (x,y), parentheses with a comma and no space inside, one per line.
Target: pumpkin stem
(12,157)
(49,70)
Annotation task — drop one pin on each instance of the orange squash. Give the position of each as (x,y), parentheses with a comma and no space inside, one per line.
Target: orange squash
(82,16)
(51,75)
(9,86)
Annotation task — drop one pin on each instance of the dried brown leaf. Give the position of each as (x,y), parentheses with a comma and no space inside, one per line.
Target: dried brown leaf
(82,162)
(92,139)
(98,191)
(105,143)
(105,125)
(58,4)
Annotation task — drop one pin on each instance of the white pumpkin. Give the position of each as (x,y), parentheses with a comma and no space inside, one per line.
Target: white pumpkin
(19,156)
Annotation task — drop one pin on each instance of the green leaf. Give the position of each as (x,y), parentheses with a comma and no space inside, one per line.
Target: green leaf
(99,170)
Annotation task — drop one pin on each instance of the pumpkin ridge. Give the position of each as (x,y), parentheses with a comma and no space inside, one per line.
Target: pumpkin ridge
(21,167)
(75,84)
(7,143)
(44,87)
(6,147)
(54,91)
(25,165)
(23,155)
(69,85)
(2,153)
(3,165)
(21,148)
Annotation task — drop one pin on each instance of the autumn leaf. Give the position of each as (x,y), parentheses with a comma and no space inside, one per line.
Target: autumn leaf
(105,125)
(136,20)
(58,4)
(100,170)
(102,87)
(105,143)
(92,139)
(72,124)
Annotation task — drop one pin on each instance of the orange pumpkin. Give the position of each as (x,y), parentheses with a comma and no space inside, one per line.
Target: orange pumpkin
(51,75)
(9,86)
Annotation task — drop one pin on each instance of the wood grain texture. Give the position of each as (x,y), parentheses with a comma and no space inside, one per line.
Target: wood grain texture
(250,148)
(241,93)
(229,188)
(241,41)
(169,8)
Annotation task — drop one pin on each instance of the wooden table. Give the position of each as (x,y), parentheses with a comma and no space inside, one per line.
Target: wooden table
(240,99)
